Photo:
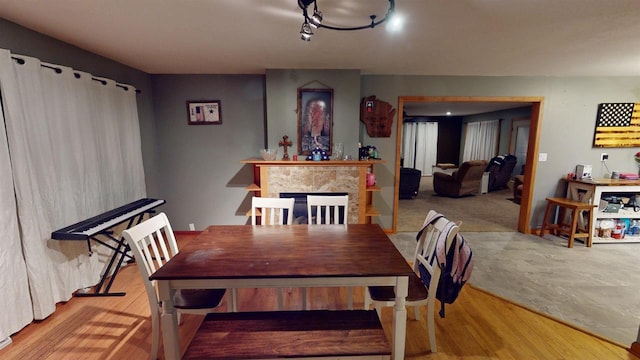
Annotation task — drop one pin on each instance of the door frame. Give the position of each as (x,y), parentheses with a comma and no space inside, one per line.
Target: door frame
(532,148)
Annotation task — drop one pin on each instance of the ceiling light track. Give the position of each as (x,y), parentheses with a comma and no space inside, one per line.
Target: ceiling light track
(315,19)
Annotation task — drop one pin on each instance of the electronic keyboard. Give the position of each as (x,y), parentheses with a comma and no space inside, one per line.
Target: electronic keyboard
(85,229)
(98,228)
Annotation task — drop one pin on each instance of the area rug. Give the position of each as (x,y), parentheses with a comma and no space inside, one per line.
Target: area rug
(494,211)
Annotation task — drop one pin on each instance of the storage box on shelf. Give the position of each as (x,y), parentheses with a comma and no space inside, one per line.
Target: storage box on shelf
(593,191)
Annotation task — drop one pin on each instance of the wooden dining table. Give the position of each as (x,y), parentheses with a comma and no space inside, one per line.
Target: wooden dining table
(246,256)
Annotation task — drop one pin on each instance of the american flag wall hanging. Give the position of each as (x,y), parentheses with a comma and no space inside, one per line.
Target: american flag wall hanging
(617,125)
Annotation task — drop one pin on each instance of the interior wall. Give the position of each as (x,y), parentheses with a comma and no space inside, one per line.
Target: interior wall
(567,121)
(282,102)
(567,124)
(202,177)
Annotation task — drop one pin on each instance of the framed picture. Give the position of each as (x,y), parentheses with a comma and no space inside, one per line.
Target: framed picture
(617,125)
(315,120)
(204,112)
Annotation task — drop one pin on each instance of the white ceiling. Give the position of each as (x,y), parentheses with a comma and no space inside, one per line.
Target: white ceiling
(440,37)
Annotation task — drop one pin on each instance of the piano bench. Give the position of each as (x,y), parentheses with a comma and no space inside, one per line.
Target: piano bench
(317,334)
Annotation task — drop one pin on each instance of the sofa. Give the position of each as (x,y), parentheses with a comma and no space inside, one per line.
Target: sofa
(464,181)
(500,169)
(409,183)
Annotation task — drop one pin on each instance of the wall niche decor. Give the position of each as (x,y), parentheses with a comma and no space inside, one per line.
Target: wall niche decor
(377,116)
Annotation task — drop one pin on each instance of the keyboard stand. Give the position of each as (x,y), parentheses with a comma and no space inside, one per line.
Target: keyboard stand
(120,252)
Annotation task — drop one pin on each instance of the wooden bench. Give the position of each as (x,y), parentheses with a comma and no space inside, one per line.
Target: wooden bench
(317,334)
(570,229)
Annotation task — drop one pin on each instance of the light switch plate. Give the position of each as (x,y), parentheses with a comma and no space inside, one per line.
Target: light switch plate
(542,157)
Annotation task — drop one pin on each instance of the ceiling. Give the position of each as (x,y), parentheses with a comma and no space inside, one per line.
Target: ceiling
(440,37)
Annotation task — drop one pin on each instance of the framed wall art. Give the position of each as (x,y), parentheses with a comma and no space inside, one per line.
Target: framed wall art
(315,120)
(204,112)
(617,125)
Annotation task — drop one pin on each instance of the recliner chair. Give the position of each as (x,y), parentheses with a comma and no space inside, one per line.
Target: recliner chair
(500,169)
(409,183)
(464,181)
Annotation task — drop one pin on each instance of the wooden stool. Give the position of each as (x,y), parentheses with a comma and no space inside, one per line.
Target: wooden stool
(569,229)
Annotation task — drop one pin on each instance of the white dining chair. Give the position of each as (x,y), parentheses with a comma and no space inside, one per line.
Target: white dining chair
(419,293)
(326,209)
(153,244)
(267,208)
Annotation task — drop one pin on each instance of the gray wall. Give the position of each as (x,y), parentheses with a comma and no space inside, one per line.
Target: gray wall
(567,125)
(282,102)
(197,168)
(201,173)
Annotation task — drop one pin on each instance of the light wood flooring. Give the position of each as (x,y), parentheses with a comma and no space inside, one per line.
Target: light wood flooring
(478,325)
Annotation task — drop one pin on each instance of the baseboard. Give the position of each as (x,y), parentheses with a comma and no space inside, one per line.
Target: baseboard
(5,342)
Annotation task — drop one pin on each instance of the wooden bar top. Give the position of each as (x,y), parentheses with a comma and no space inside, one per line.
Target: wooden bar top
(286,251)
(607,182)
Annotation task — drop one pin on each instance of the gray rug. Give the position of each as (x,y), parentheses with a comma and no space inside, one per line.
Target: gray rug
(596,289)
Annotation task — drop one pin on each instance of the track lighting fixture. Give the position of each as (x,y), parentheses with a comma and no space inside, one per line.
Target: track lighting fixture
(315,20)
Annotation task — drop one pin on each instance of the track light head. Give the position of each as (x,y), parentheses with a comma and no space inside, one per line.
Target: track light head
(316,19)
(305,32)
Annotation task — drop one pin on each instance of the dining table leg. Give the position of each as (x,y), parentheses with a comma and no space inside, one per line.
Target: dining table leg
(168,322)
(400,318)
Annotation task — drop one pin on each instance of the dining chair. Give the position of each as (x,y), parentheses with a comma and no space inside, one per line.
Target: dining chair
(266,208)
(419,293)
(327,210)
(153,244)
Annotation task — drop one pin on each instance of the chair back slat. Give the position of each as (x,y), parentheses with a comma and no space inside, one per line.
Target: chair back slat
(325,206)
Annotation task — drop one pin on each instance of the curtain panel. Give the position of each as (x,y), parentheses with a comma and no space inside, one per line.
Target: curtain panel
(420,146)
(15,300)
(75,150)
(481,140)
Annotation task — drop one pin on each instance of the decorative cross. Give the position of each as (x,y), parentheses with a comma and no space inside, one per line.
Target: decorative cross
(285,143)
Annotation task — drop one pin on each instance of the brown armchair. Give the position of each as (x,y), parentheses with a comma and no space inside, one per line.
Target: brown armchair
(464,181)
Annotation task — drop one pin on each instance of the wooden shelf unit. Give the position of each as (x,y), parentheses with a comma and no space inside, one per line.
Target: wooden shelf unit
(366,210)
(592,191)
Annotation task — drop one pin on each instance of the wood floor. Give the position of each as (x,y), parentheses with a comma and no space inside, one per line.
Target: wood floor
(478,325)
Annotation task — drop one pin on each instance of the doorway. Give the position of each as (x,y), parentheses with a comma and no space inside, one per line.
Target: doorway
(531,147)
